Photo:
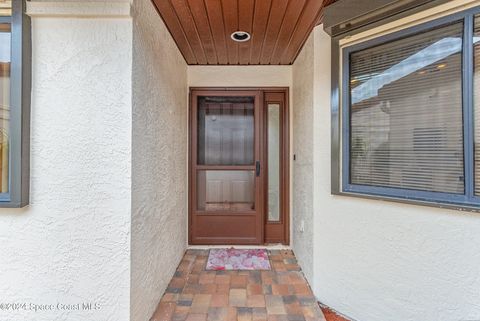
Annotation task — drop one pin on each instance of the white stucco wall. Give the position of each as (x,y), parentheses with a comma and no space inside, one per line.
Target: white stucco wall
(71,245)
(302,183)
(159,183)
(376,260)
(240,76)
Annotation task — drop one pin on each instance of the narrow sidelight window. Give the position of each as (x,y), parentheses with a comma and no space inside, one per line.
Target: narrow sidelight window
(274,147)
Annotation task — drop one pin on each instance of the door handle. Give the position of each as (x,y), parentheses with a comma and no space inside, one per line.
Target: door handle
(257,168)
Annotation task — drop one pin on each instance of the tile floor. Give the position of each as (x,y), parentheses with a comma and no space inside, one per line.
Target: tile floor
(281,294)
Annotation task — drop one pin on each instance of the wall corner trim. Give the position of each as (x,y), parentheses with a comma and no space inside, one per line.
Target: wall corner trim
(79,9)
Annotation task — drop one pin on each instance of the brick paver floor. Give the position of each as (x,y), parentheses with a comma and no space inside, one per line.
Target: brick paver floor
(281,294)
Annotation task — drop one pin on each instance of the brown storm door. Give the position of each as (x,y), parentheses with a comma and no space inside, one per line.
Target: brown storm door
(230,188)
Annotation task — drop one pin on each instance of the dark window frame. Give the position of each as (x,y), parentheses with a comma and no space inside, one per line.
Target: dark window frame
(20,99)
(341,121)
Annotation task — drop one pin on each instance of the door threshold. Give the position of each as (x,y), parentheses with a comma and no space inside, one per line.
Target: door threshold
(241,247)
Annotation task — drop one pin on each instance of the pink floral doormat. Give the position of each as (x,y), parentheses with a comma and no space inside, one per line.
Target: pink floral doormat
(233,259)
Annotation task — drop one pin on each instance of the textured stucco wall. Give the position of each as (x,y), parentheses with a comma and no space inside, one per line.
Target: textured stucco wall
(302,189)
(240,76)
(159,183)
(376,260)
(71,245)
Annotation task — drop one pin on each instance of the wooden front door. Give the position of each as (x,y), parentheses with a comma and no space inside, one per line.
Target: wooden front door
(228,179)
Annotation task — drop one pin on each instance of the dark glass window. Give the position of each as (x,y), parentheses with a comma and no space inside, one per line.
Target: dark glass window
(15,83)
(226,131)
(406,113)
(5,67)
(476,99)
(411,113)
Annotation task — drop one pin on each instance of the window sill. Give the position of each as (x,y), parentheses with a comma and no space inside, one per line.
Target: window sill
(435,204)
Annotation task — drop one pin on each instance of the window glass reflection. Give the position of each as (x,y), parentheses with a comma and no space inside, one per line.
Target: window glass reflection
(226,131)
(273,162)
(5,48)
(476,98)
(406,116)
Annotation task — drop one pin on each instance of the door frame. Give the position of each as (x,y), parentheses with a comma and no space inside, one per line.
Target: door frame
(285,188)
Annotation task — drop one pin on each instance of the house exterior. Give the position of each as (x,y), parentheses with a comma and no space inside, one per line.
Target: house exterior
(108,215)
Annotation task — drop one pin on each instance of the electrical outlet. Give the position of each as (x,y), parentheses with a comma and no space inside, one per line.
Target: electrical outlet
(302,226)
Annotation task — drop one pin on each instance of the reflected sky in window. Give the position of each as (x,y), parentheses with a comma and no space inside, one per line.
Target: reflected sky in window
(426,57)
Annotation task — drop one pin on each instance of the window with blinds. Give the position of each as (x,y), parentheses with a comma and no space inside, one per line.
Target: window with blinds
(410,112)
(476,99)
(406,115)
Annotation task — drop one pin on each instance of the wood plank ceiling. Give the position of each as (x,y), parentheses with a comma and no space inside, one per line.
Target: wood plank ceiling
(202,29)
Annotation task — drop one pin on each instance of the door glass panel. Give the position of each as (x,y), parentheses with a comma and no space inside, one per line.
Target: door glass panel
(273,162)
(225,191)
(5,49)
(226,130)
(476,97)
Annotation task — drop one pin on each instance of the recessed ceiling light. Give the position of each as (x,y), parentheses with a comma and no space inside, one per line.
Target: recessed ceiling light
(240,36)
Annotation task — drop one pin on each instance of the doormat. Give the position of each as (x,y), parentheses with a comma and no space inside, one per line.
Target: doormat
(234,259)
